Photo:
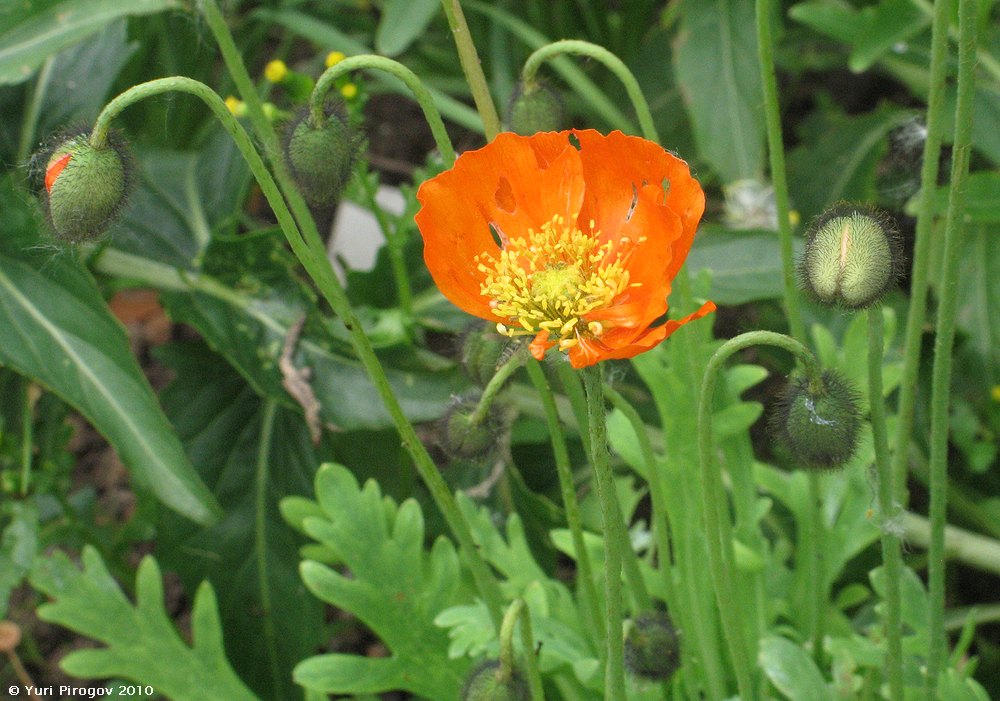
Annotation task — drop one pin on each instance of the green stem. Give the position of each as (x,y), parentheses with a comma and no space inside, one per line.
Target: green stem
(397,69)
(395,243)
(660,530)
(494,386)
(817,576)
(891,554)
(260,543)
(776,151)
(971,549)
(613,63)
(27,434)
(519,610)
(944,337)
(318,267)
(473,69)
(614,671)
(718,527)
(585,576)
(985,58)
(921,247)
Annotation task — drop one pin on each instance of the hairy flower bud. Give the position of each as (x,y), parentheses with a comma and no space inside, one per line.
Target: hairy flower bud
(85,187)
(818,421)
(852,257)
(463,437)
(487,682)
(533,108)
(321,157)
(652,646)
(483,351)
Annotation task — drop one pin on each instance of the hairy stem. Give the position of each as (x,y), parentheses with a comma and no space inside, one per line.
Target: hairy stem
(472,68)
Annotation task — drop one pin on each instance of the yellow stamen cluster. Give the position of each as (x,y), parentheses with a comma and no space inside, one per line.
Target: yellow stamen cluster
(549,280)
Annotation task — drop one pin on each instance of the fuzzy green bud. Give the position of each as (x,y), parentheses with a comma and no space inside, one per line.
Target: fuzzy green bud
(321,157)
(534,108)
(464,436)
(483,351)
(852,257)
(85,187)
(488,681)
(818,421)
(652,646)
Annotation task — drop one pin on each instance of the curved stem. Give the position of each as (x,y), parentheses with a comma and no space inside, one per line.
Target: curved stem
(260,542)
(719,529)
(614,64)
(585,576)
(397,69)
(495,384)
(776,152)
(472,68)
(891,554)
(614,671)
(318,267)
(944,337)
(921,247)
(518,609)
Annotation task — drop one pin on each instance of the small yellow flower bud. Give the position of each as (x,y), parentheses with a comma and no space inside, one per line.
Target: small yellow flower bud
(333,58)
(236,106)
(275,71)
(349,91)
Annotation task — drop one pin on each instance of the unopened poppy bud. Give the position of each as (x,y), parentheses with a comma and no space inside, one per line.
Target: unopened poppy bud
(85,187)
(488,681)
(321,157)
(818,421)
(464,436)
(852,257)
(483,351)
(652,646)
(534,108)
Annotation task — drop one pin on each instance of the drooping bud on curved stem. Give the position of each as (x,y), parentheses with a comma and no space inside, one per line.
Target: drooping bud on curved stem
(317,110)
(321,156)
(818,420)
(652,646)
(614,64)
(86,187)
(534,107)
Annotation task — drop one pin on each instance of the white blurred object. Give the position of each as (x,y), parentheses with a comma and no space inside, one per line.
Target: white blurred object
(750,205)
(357,236)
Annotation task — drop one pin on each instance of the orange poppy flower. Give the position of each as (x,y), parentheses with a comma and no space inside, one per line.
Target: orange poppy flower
(570,237)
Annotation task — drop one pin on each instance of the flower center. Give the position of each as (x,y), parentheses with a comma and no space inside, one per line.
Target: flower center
(549,280)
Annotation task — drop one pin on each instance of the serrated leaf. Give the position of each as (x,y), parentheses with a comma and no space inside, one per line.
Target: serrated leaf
(401,23)
(792,670)
(394,587)
(58,330)
(250,555)
(140,641)
(716,68)
(36,29)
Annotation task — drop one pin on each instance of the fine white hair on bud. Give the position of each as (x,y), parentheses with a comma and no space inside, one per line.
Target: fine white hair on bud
(852,257)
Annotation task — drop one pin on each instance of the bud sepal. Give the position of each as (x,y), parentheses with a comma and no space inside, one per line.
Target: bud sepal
(818,420)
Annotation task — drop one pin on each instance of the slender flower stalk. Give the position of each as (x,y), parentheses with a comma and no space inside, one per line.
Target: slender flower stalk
(318,267)
(945,336)
(585,576)
(494,386)
(394,68)
(717,524)
(518,611)
(472,67)
(614,675)
(776,151)
(614,64)
(891,553)
(922,244)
